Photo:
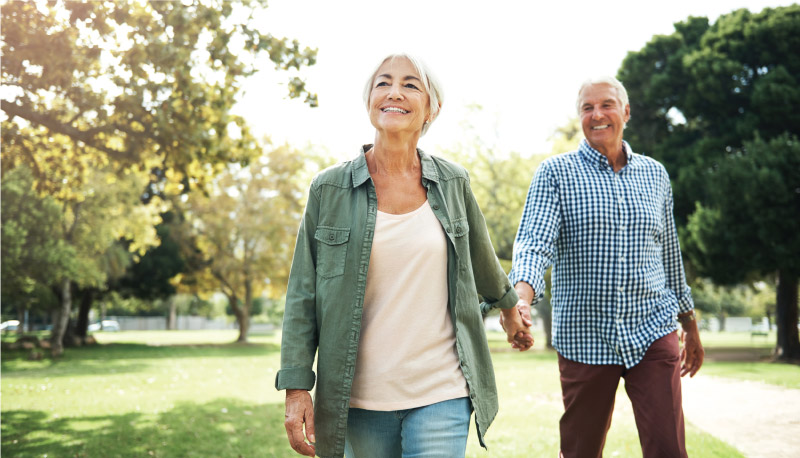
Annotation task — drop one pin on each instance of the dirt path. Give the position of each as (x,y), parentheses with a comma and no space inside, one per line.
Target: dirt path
(760,420)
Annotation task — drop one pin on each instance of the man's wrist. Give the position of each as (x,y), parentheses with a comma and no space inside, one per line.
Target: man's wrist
(686,318)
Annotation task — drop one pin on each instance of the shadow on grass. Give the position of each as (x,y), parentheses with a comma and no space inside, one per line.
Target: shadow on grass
(119,358)
(738,354)
(223,427)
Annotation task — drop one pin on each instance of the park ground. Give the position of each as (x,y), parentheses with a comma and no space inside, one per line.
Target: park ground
(185,393)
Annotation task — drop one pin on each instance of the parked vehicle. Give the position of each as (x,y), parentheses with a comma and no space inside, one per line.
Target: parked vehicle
(10,325)
(107,325)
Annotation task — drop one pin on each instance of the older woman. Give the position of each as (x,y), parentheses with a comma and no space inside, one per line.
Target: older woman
(391,254)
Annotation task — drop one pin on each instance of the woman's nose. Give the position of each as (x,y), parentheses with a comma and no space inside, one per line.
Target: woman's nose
(395,93)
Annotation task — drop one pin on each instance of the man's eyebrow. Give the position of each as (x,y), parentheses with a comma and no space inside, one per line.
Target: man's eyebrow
(613,100)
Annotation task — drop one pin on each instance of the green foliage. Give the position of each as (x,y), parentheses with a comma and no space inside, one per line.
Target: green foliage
(697,95)
(32,252)
(499,181)
(245,227)
(146,84)
(110,104)
(717,105)
(751,220)
(739,300)
(149,277)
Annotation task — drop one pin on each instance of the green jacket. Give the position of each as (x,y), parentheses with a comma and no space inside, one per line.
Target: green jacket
(329,275)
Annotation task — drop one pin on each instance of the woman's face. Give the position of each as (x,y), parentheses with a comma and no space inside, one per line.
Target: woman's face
(398,101)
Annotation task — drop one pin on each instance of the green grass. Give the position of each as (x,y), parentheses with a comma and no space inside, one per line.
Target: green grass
(743,356)
(183,394)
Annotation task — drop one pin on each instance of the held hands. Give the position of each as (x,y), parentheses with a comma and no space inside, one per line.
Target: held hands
(299,411)
(516,321)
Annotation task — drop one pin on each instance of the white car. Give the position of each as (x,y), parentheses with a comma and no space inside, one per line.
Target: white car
(108,325)
(10,325)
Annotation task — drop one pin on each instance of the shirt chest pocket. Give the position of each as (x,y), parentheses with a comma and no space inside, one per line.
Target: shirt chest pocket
(331,250)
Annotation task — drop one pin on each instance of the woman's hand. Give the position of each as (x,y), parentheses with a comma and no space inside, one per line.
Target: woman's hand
(300,411)
(516,321)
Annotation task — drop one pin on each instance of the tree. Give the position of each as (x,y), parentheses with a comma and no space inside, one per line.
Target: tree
(133,90)
(750,226)
(32,253)
(139,83)
(246,226)
(716,104)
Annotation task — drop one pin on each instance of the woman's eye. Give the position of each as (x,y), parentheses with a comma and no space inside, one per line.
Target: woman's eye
(382,83)
(411,86)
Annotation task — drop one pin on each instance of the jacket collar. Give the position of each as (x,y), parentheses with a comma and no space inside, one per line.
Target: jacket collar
(361,171)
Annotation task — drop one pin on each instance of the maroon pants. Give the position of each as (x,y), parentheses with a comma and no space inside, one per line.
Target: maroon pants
(654,388)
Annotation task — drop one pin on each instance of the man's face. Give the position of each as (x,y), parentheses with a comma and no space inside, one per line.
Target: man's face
(603,117)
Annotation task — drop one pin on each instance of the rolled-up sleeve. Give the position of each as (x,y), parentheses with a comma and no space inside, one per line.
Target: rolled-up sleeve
(491,281)
(300,338)
(538,230)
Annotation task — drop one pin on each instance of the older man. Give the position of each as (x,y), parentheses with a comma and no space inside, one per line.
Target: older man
(602,216)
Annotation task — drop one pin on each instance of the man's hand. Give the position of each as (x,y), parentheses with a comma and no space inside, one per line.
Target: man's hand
(516,321)
(692,352)
(299,411)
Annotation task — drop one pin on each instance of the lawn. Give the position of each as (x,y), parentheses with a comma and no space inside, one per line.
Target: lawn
(184,394)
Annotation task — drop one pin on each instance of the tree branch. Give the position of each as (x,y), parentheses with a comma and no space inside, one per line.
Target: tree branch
(13,109)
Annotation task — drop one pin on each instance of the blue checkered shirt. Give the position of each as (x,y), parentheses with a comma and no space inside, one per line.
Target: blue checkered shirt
(618,280)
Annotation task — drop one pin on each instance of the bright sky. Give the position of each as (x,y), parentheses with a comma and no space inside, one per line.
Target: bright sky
(522,61)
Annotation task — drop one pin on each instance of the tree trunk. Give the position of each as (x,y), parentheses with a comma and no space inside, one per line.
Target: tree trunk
(61,319)
(82,327)
(172,317)
(242,315)
(545,311)
(788,345)
(21,314)
(244,324)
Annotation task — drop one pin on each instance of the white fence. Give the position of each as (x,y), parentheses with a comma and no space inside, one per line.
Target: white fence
(159,323)
(183,323)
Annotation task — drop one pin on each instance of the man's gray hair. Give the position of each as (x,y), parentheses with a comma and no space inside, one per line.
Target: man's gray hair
(432,85)
(622,94)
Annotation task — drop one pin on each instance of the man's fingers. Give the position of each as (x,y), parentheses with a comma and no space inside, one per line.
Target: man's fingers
(525,314)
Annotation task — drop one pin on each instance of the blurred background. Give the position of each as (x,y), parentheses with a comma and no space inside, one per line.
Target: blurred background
(156,157)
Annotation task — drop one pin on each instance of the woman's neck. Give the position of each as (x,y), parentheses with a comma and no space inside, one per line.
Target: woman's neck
(393,156)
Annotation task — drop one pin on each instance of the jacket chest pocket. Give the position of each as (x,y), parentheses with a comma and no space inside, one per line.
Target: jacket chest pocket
(331,250)
(458,231)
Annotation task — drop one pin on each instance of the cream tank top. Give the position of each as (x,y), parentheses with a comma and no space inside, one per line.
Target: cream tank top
(406,354)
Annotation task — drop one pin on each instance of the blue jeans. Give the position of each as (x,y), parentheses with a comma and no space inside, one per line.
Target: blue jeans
(436,430)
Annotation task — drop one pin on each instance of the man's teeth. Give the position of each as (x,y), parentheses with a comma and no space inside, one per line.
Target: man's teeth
(394,110)
(605,126)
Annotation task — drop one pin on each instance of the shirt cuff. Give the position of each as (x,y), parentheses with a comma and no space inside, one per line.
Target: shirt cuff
(295,378)
(527,276)
(685,302)
(508,300)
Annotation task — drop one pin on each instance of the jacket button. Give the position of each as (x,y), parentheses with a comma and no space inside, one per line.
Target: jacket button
(458,229)
(435,207)
(330,237)
(449,230)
